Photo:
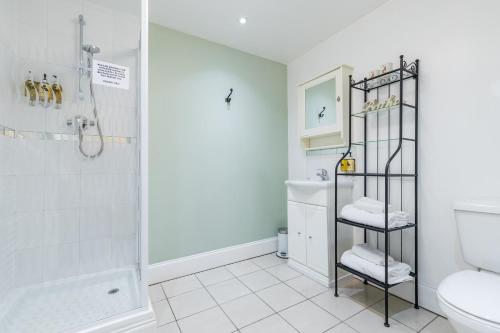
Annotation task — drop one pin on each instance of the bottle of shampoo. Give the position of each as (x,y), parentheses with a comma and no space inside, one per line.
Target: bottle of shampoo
(47,90)
(29,89)
(57,90)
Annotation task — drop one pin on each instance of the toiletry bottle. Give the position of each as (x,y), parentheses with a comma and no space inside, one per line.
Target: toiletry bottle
(39,91)
(47,89)
(29,89)
(348,164)
(57,89)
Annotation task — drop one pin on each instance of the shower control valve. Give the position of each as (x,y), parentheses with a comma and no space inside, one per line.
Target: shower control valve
(80,123)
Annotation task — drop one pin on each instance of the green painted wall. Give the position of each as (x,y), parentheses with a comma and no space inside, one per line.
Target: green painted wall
(216,176)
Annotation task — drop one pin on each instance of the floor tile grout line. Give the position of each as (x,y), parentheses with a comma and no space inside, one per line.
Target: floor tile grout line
(272,309)
(400,322)
(251,292)
(218,305)
(306,299)
(202,285)
(171,309)
(435,318)
(237,277)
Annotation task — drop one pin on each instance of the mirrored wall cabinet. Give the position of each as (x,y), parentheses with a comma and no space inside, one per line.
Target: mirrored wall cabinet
(324,110)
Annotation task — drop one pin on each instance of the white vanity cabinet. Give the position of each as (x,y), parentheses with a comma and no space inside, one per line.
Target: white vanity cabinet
(311,227)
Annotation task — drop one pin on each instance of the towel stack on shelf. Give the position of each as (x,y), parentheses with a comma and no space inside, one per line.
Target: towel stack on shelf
(371,262)
(372,212)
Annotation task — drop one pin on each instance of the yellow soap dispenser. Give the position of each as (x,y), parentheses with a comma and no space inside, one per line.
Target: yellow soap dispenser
(348,164)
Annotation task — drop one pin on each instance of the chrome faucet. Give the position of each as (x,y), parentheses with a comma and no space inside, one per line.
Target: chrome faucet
(322,173)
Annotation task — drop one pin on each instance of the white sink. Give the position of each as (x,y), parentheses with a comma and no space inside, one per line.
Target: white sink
(310,184)
(315,192)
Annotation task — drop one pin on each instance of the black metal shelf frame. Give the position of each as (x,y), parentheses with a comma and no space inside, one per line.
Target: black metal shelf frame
(397,76)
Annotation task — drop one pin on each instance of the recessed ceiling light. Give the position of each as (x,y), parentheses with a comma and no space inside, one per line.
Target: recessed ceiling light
(243,20)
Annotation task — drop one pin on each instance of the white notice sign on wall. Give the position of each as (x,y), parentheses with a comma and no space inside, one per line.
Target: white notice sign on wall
(111,75)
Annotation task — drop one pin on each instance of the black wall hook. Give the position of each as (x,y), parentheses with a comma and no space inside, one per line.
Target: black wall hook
(228,98)
(322,113)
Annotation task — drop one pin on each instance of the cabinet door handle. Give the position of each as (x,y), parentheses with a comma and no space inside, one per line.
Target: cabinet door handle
(310,237)
(299,233)
(338,98)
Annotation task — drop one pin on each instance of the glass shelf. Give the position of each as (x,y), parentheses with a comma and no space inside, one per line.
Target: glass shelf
(49,136)
(363,143)
(382,80)
(328,150)
(364,114)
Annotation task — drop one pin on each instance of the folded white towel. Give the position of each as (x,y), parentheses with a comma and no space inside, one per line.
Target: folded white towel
(372,255)
(396,219)
(371,205)
(398,271)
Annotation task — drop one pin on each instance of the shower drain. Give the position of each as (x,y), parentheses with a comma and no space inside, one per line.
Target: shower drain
(113,291)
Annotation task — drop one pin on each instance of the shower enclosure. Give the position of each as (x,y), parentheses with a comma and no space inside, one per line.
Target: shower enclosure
(72,245)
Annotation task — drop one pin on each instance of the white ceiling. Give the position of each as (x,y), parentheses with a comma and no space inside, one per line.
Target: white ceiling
(279,30)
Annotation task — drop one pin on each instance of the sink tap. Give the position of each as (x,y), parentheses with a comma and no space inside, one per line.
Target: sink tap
(322,173)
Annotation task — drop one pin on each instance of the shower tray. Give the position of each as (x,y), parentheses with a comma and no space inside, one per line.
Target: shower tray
(71,304)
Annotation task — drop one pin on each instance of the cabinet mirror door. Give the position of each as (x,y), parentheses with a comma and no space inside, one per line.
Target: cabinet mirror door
(321,104)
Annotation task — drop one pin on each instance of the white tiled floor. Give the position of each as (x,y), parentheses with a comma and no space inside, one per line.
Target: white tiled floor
(265,295)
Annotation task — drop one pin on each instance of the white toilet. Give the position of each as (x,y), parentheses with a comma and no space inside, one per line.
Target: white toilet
(471,298)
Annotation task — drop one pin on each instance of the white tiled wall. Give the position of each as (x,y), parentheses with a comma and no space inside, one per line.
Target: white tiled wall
(62,215)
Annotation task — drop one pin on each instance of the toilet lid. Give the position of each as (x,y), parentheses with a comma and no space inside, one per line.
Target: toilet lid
(476,293)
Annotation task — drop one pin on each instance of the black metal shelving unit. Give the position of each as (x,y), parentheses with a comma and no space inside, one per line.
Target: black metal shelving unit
(396,77)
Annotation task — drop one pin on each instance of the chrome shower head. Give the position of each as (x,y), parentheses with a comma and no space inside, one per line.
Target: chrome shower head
(92,49)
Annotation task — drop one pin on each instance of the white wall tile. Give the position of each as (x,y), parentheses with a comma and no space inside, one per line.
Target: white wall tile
(29,193)
(125,189)
(33,13)
(125,158)
(8,16)
(28,266)
(62,49)
(61,261)
(63,16)
(7,251)
(95,223)
(125,220)
(62,192)
(29,118)
(62,157)
(7,196)
(29,230)
(124,251)
(126,30)
(30,156)
(34,43)
(97,190)
(7,148)
(95,255)
(61,226)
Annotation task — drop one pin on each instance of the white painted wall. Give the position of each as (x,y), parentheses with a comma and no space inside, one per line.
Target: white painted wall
(457,42)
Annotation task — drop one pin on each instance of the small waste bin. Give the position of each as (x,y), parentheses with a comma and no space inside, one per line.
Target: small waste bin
(282,243)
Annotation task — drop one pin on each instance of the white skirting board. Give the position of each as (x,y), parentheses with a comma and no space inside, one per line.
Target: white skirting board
(427,295)
(175,268)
